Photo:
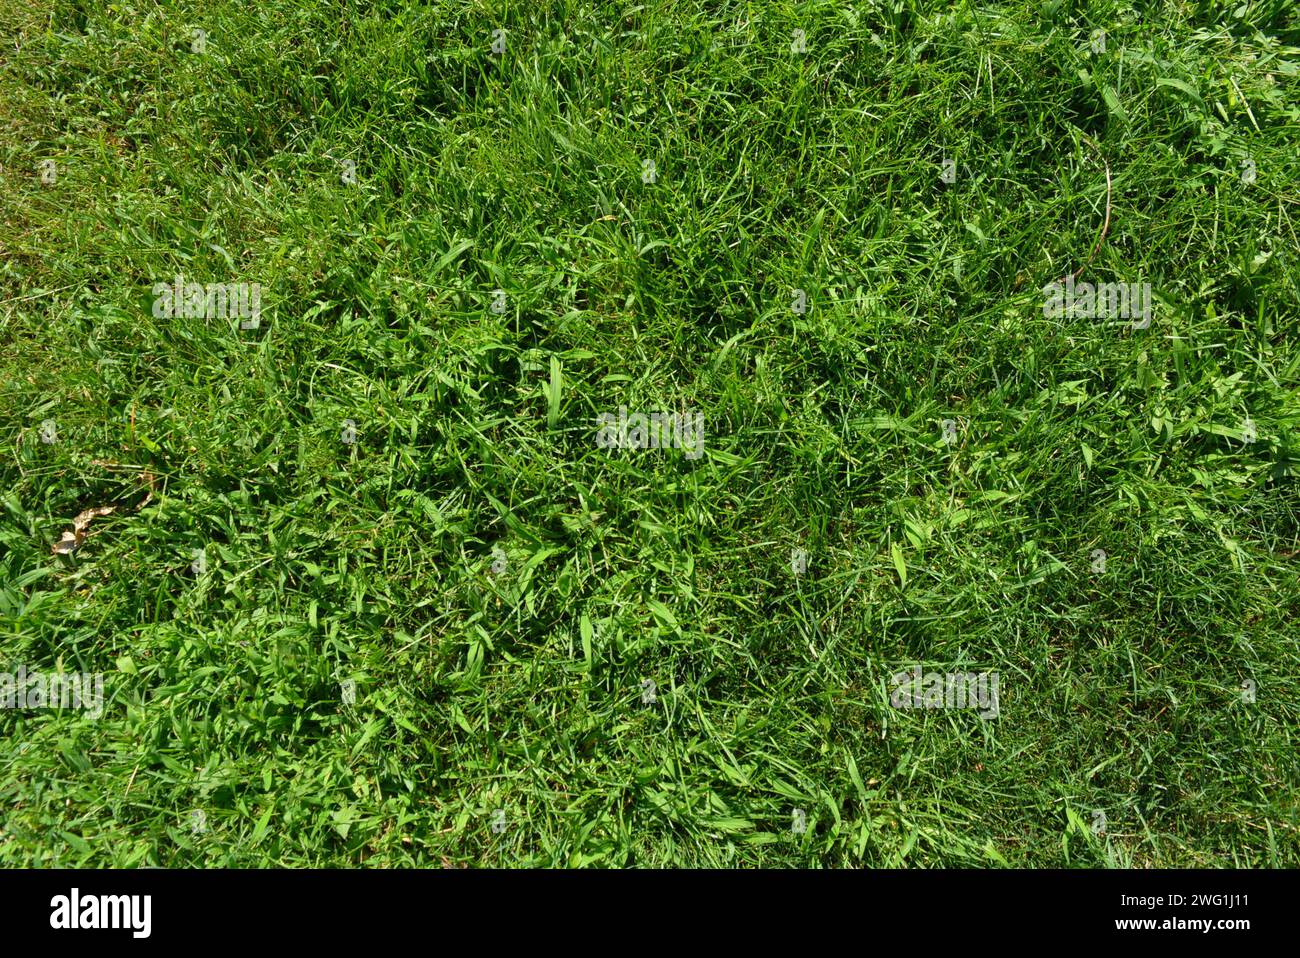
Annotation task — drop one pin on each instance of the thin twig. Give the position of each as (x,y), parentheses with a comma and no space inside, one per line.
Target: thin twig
(1105,227)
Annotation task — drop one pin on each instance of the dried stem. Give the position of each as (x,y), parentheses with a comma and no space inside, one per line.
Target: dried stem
(1105,227)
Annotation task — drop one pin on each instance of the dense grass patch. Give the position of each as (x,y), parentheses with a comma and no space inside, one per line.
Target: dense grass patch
(474,613)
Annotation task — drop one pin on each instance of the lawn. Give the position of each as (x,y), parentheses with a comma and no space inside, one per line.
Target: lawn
(543,434)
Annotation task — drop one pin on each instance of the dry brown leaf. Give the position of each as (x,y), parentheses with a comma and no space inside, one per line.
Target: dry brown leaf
(73,538)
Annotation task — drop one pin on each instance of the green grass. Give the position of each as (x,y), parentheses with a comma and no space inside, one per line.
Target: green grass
(1121,693)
